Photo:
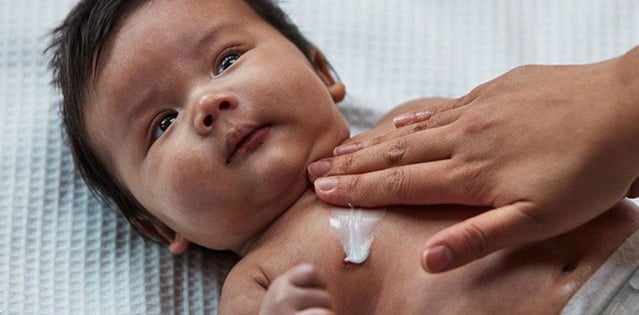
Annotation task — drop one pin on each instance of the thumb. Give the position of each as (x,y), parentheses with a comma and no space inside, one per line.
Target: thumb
(483,234)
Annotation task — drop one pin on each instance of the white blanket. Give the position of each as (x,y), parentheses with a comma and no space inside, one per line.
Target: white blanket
(61,252)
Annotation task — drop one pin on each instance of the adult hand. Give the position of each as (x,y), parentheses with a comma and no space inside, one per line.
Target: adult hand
(548,147)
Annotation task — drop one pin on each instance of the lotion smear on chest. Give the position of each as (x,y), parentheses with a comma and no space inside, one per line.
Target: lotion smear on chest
(355,227)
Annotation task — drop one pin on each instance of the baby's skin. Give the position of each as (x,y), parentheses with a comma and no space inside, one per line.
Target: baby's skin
(538,278)
(210,117)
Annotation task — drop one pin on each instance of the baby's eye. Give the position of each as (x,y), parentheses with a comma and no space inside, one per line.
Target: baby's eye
(162,125)
(226,62)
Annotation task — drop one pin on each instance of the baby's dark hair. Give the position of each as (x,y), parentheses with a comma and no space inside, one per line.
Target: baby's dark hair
(75,50)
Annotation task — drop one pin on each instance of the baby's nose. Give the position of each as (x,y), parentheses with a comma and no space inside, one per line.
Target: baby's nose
(208,109)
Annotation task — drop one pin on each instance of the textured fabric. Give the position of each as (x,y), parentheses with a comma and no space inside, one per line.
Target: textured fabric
(614,287)
(61,252)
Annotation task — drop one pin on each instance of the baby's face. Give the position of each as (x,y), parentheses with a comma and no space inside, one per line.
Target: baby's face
(210,117)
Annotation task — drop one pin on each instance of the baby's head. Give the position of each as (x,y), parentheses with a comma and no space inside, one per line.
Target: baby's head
(197,118)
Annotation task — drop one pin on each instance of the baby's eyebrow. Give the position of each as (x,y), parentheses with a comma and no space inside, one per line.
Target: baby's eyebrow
(136,105)
(204,41)
(135,108)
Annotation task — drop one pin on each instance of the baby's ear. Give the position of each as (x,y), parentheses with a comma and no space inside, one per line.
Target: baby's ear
(179,244)
(322,68)
(161,234)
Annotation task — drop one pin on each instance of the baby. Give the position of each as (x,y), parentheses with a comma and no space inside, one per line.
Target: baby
(198,119)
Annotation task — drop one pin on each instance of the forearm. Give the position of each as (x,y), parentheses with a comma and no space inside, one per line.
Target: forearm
(627,76)
(623,117)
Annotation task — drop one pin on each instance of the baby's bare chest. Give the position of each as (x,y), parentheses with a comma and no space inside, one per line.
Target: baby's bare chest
(391,281)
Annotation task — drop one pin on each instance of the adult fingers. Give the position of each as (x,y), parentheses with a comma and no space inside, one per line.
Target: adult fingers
(430,145)
(485,233)
(430,122)
(424,183)
(435,108)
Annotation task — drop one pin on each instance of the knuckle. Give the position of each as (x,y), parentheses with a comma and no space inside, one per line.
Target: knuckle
(531,220)
(518,76)
(345,164)
(397,182)
(467,169)
(476,92)
(475,124)
(470,179)
(395,153)
(522,70)
(476,241)
(433,121)
(350,190)
(372,142)
(419,126)
(471,170)
(355,183)
(358,192)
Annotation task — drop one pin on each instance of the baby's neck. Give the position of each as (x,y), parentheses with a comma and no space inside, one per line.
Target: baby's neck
(291,215)
(353,227)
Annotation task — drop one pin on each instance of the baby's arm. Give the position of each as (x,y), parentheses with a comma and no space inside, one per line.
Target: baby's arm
(300,290)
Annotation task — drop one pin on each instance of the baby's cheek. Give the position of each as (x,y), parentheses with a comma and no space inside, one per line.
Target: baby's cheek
(187,183)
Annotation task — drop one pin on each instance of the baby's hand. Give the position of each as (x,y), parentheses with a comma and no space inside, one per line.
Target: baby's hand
(300,290)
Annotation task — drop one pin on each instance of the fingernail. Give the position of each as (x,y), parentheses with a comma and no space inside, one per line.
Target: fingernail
(437,259)
(346,149)
(319,169)
(404,119)
(325,184)
(407,119)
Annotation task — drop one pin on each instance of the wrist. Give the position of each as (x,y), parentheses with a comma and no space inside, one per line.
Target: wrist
(626,73)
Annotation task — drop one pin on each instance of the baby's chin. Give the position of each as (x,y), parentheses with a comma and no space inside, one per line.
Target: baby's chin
(325,148)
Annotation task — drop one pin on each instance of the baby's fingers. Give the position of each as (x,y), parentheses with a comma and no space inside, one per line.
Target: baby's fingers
(310,288)
(315,311)
(299,289)
(306,276)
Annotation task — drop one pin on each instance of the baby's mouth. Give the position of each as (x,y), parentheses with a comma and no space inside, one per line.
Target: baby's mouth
(243,140)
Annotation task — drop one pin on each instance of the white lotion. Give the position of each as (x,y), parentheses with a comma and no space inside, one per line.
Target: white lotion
(355,230)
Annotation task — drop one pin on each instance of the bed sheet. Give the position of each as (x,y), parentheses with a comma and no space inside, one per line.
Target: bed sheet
(62,252)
